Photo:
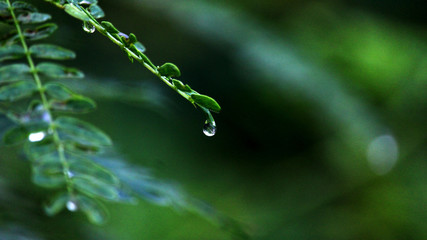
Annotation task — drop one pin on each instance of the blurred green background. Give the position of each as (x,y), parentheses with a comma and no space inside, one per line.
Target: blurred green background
(322,133)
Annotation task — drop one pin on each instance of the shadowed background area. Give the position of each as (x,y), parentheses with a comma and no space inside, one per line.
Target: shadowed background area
(322,133)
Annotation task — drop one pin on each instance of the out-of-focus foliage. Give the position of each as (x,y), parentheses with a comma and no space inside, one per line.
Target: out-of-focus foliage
(322,133)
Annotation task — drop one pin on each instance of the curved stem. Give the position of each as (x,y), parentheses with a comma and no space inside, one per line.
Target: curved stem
(138,58)
(36,77)
(136,54)
(103,31)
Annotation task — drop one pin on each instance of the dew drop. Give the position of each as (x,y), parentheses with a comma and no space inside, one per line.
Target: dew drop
(139,46)
(70,174)
(84,2)
(46,117)
(72,206)
(36,137)
(124,35)
(209,129)
(88,27)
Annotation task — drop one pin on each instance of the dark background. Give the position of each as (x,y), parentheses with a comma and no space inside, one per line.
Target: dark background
(322,133)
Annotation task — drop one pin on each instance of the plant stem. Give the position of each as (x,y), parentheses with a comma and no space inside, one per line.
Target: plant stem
(103,31)
(56,139)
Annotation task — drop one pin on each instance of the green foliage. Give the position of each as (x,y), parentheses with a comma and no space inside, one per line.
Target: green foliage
(50,51)
(81,132)
(206,102)
(60,148)
(169,70)
(11,52)
(109,27)
(14,72)
(54,70)
(66,154)
(74,11)
(16,91)
(133,49)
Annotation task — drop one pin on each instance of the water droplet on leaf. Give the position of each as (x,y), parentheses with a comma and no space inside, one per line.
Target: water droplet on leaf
(88,27)
(71,206)
(46,117)
(209,129)
(70,174)
(36,137)
(124,35)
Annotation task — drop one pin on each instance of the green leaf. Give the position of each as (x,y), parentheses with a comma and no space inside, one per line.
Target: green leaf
(38,150)
(180,86)
(65,100)
(146,60)
(15,135)
(52,181)
(33,17)
(54,70)
(40,32)
(56,204)
(82,149)
(207,102)
(58,91)
(11,52)
(24,6)
(50,51)
(76,12)
(109,27)
(82,132)
(169,70)
(4,7)
(17,91)
(49,164)
(132,38)
(14,72)
(48,172)
(94,210)
(93,187)
(76,104)
(80,167)
(96,11)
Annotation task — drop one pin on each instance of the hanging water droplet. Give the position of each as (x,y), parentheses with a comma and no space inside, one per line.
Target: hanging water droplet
(72,206)
(88,27)
(36,137)
(209,129)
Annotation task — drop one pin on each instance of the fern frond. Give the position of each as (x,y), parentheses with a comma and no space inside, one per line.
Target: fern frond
(60,148)
(67,154)
(89,12)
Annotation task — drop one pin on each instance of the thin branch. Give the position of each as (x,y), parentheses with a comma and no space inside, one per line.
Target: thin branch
(52,129)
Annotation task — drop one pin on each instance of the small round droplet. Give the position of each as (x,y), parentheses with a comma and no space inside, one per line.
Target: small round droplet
(70,174)
(209,129)
(36,137)
(88,27)
(46,117)
(72,206)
